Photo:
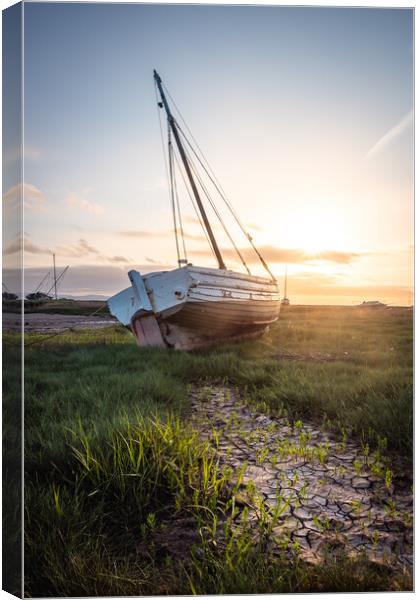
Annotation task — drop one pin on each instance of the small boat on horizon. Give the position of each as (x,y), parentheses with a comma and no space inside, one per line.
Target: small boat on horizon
(194,306)
(285,300)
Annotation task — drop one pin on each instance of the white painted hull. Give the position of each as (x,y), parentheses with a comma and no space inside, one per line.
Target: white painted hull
(192,306)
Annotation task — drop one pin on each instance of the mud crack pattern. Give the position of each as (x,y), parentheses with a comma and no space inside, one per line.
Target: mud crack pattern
(334,496)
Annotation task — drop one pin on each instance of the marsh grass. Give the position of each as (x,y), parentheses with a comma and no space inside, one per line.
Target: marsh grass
(110,462)
(103,522)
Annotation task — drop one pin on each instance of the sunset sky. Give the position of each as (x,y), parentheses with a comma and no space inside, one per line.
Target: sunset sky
(305,114)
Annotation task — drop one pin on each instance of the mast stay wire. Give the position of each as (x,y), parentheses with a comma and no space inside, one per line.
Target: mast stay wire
(167,169)
(218,215)
(215,182)
(58,279)
(42,282)
(171,191)
(175,202)
(180,219)
(214,179)
(194,206)
(228,204)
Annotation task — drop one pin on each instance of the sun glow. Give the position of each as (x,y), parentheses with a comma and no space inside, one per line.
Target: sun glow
(314,232)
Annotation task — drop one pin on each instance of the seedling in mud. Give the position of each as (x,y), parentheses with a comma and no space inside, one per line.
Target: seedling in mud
(375,538)
(342,471)
(365,448)
(322,453)
(262,407)
(262,454)
(343,438)
(388,479)
(304,439)
(357,466)
(408,519)
(304,490)
(322,524)
(295,549)
(271,428)
(356,506)
(151,521)
(391,507)
(376,469)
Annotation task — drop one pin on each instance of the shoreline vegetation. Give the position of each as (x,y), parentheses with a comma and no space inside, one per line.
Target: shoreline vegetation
(123,498)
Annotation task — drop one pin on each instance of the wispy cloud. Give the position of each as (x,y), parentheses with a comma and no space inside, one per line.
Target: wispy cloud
(163,233)
(34,199)
(26,244)
(83,249)
(143,233)
(79,202)
(79,249)
(390,135)
(274,254)
(118,259)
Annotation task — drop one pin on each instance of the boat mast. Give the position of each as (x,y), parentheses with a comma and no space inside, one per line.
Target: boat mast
(172,124)
(55,279)
(285,284)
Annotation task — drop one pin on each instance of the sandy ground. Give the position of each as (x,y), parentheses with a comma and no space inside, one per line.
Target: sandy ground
(47,323)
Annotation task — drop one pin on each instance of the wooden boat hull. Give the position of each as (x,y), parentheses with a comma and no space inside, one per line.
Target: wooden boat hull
(192,307)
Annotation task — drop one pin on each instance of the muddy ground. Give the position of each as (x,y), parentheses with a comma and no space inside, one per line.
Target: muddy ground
(51,323)
(334,494)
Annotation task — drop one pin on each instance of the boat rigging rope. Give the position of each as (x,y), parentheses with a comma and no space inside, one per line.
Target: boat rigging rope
(214,179)
(42,281)
(168,176)
(211,175)
(194,206)
(222,194)
(171,191)
(214,207)
(176,205)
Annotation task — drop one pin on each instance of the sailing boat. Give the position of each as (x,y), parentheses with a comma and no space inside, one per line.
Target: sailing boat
(285,300)
(194,306)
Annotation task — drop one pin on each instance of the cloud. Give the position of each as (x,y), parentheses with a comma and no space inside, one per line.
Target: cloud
(34,199)
(26,244)
(15,246)
(336,256)
(142,233)
(83,248)
(80,203)
(118,259)
(78,250)
(273,254)
(392,134)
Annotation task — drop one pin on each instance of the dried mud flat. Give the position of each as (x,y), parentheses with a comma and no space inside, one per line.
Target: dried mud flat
(332,497)
(52,323)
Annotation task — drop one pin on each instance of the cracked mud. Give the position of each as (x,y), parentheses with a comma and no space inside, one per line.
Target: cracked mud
(334,496)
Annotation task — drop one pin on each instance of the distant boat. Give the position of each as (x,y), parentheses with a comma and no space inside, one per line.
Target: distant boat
(371,304)
(194,306)
(285,300)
